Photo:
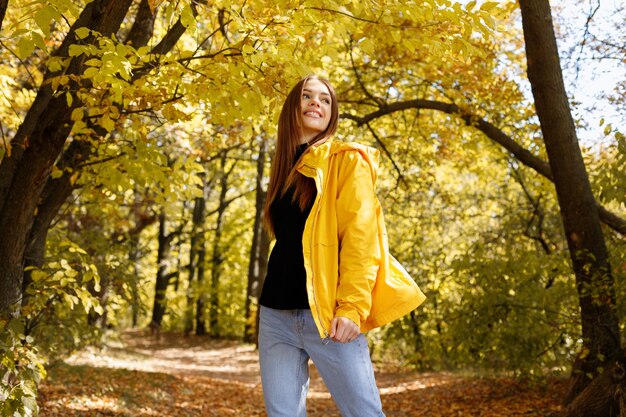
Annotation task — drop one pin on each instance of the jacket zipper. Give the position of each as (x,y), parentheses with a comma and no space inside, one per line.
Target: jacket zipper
(319,197)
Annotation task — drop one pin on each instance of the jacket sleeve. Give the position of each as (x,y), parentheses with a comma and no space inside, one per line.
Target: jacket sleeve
(357,230)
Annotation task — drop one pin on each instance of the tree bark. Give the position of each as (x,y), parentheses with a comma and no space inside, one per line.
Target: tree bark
(603,397)
(588,252)
(200,310)
(133,259)
(163,276)
(255,265)
(55,193)
(143,26)
(104,16)
(36,145)
(196,246)
(58,190)
(19,196)
(217,257)
(3,9)
(264,253)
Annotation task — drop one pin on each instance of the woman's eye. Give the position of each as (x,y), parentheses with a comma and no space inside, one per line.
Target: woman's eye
(305,96)
(327,101)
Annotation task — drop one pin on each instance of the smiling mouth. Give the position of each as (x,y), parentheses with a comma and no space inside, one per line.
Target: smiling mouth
(313,114)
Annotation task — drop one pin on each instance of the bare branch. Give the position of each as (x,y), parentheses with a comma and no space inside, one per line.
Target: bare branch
(487,128)
(586,36)
(375,99)
(322,9)
(175,32)
(382,145)
(609,218)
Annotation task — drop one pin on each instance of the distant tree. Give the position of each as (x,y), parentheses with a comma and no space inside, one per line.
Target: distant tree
(259,249)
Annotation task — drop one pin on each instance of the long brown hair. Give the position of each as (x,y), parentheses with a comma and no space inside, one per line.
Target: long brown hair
(283,175)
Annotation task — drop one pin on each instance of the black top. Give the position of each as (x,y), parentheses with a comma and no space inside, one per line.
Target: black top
(285,282)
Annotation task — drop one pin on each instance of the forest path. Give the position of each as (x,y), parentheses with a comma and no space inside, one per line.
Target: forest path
(180,376)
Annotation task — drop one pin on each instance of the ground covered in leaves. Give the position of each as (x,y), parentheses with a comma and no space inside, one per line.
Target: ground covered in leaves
(178,376)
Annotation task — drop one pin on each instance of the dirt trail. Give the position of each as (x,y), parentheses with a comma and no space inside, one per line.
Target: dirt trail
(180,355)
(177,355)
(177,376)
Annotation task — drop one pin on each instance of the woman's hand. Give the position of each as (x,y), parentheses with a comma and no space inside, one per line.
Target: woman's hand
(343,330)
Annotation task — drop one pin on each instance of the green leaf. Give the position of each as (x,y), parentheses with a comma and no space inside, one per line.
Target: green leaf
(490,21)
(25,47)
(56,173)
(27,389)
(82,33)
(107,123)
(76,50)
(38,275)
(93,62)
(43,17)
(91,72)
(186,17)
(98,308)
(77,114)
(39,41)
(54,64)
(489,5)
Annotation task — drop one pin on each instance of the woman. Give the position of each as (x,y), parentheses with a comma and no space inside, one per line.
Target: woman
(330,277)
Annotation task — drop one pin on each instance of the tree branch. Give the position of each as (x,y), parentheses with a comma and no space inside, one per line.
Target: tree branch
(175,32)
(322,9)
(376,100)
(227,202)
(3,9)
(143,26)
(609,218)
(382,145)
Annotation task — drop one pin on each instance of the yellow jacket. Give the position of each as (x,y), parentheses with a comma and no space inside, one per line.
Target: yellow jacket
(349,270)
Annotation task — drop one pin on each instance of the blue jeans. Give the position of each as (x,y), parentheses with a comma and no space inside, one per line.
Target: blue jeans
(287,339)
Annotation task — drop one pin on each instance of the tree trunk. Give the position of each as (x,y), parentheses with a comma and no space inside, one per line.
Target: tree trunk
(17,216)
(57,190)
(217,257)
(3,10)
(34,151)
(594,282)
(143,26)
(197,243)
(54,194)
(603,397)
(254,266)
(133,259)
(36,145)
(200,313)
(263,259)
(163,277)
(50,111)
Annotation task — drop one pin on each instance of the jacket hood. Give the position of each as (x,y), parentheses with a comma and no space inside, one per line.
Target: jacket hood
(316,154)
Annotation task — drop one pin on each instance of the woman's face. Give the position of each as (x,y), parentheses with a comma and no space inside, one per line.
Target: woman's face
(315,105)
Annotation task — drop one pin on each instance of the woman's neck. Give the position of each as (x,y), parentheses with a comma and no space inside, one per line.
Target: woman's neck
(311,141)
(304,140)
